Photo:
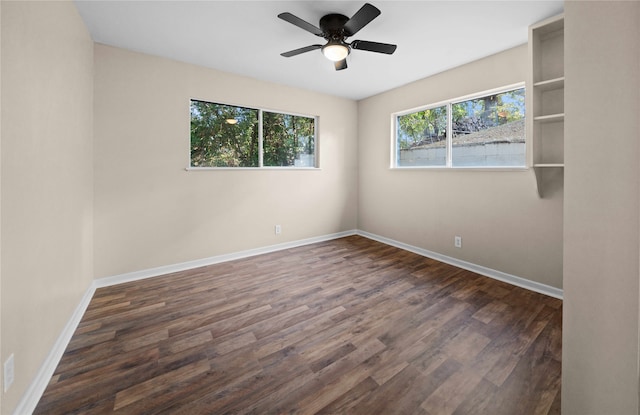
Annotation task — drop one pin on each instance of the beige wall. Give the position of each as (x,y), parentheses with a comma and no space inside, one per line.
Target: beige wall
(47,64)
(503,223)
(150,212)
(601,255)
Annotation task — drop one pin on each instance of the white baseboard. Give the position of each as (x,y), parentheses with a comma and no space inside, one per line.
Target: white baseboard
(33,394)
(183,266)
(478,269)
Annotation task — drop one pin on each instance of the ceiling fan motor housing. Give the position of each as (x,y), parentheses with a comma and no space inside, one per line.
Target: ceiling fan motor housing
(332,26)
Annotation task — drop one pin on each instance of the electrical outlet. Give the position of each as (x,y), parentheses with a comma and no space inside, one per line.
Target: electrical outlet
(278,229)
(9,372)
(457,241)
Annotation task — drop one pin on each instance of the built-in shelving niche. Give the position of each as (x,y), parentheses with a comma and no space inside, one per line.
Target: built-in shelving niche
(545,96)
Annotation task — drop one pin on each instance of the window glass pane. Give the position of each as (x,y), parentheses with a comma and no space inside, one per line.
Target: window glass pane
(489,131)
(288,140)
(223,135)
(422,138)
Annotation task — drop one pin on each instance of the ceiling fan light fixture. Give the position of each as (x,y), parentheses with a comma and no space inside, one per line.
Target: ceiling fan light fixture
(335,51)
(335,28)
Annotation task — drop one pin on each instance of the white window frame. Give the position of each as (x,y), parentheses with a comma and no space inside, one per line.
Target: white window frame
(261,166)
(449,145)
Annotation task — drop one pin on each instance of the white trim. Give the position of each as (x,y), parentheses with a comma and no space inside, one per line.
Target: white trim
(492,91)
(37,387)
(393,150)
(449,134)
(251,107)
(168,269)
(463,168)
(260,138)
(478,269)
(282,168)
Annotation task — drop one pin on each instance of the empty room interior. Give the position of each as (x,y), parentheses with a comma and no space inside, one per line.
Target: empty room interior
(420,207)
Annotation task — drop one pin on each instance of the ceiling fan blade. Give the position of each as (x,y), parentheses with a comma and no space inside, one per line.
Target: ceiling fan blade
(300,50)
(340,65)
(295,20)
(363,17)
(373,46)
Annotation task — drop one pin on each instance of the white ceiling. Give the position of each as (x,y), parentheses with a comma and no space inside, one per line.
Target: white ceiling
(246,37)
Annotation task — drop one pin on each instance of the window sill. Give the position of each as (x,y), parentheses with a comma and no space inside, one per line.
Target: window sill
(474,168)
(250,168)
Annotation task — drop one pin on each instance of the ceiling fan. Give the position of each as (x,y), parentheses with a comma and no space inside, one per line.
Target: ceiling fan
(335,29)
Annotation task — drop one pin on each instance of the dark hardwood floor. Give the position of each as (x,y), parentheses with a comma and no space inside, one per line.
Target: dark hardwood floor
(349,326)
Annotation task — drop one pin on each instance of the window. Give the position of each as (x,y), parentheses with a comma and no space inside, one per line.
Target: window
(484,131)
(223,135)
(289,140)
(422,138)
(229,136)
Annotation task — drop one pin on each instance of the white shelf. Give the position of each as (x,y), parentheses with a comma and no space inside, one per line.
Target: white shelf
(549,165)
(549,118)
(550,84)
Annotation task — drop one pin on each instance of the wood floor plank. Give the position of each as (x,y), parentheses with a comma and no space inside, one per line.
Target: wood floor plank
(189,341)
(348,326)
(446,399)
(490,311)
(351,399)
(402,394)
(160,383)
(328,383)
